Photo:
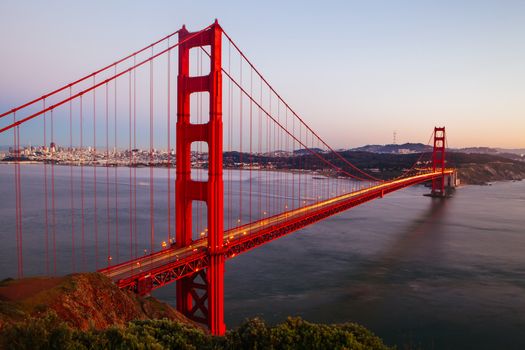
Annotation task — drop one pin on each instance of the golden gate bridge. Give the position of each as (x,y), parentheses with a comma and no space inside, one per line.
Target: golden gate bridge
(243,158)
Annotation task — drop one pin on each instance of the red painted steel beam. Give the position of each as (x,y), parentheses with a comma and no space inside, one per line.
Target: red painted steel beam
(168,273)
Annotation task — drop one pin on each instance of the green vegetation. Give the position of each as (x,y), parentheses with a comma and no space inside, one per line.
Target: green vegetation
(50,332)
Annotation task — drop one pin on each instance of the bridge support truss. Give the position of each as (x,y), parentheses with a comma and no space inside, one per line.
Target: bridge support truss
(200,296)
(438,162)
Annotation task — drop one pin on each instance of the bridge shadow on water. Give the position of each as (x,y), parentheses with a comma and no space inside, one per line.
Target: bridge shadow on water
(383,290)
(419,239)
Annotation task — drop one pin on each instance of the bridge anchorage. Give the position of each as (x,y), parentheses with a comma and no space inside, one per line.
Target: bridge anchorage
(292,178)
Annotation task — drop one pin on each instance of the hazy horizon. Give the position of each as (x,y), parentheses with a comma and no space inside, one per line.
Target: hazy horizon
(102,148)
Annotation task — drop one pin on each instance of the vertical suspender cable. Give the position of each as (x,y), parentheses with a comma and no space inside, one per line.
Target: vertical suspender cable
(251,140)
(260,177)
(53,211)
(268,153)
(95,219)
(287,148)
(81,184)
(278,174)
(115,157)
(46,197)
(240,148)
(295,158)
(169,143)
(151,199)
(108,249)
(230,129)
(17,195)
(130,154)
(71,187)
(19,192)
(135,147)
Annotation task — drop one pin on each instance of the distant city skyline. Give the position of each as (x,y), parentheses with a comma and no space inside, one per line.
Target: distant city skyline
(369,68)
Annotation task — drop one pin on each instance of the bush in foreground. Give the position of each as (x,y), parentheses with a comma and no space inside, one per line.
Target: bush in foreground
(51,333)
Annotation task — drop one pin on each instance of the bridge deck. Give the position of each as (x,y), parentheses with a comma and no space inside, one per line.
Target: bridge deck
(170,264)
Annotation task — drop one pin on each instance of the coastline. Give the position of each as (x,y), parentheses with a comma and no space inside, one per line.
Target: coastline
(469,174)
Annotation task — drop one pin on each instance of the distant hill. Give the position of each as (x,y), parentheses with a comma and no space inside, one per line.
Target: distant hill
(514,154)
(408,148)
(302,151)
(480,150)
(519,151)
(491,150)
(405,148)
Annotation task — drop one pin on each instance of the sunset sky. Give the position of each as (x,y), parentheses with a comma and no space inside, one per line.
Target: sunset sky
(356,71)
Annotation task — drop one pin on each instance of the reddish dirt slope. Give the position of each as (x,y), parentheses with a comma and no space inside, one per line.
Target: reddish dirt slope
(82,300)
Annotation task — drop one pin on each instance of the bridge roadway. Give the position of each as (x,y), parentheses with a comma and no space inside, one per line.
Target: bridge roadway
(165,266)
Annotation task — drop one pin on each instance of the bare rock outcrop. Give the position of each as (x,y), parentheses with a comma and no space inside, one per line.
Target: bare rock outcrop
(84,301)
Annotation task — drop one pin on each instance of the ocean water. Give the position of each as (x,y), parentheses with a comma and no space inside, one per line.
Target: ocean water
(429,273)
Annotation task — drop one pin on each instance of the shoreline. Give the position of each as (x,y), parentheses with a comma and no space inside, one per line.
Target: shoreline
(485,178)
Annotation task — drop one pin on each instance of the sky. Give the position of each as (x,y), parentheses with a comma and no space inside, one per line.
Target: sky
(356,71)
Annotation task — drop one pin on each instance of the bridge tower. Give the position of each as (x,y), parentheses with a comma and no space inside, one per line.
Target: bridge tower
(200,296)
(438,162)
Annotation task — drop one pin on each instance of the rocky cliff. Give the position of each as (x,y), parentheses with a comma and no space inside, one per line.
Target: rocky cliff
(83,301)
(479,169)
(481,174)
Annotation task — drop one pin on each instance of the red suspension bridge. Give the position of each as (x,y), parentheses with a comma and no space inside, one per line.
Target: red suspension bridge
(248,170)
